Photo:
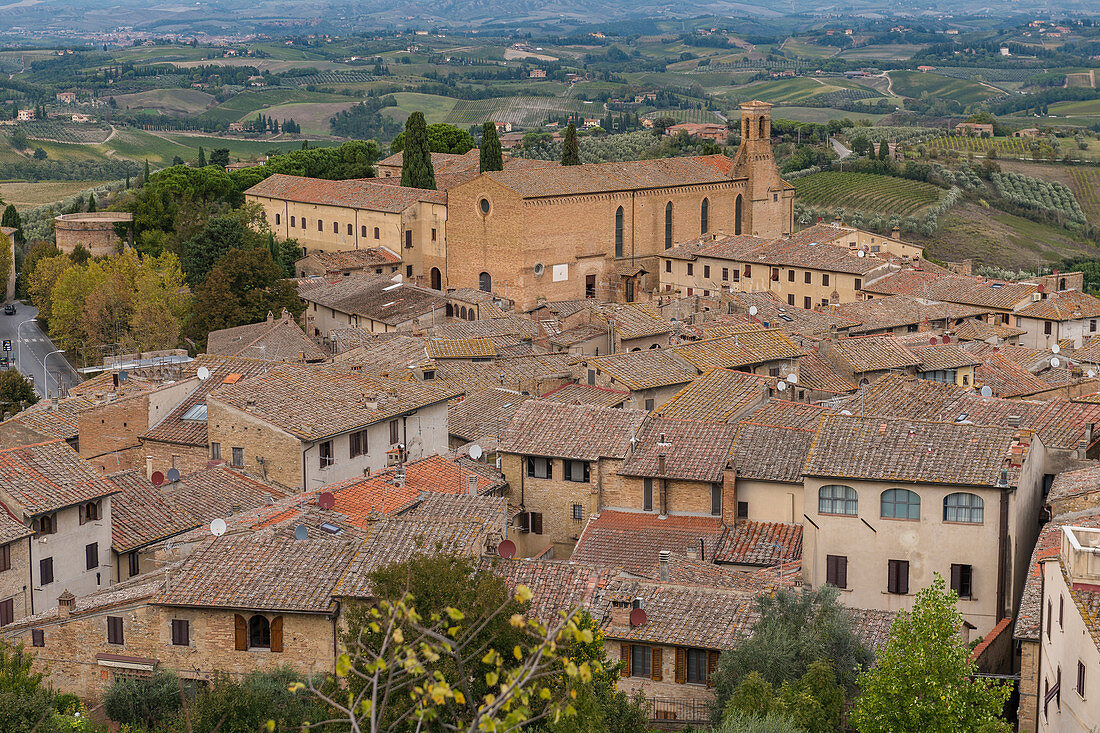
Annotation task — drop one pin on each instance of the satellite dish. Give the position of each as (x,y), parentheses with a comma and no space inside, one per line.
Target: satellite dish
(781,386)
(203,373)
(539,269)
(301,532)
(123,375)
(476,452)
(753,310)
(846,412)
(507,549)
(173,475)
(1091,373)
(326,500)
(396,278)
(861,253)
(217,527)
(933,341)
(792,378)
(1056,348)
(637,617)
(986,391)
(1055,362)
(157,478)
(947,339)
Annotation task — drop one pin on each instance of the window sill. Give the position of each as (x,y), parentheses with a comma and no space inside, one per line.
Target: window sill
(899,595)
(899,519)
(259,649)
(966,524)
(830,514)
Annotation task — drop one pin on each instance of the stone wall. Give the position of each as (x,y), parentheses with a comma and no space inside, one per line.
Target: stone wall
(268,451)
(15,582)
(96,231)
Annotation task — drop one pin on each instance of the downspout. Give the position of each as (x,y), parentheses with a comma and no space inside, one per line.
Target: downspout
(1002,549)
(335,638)
(305,451)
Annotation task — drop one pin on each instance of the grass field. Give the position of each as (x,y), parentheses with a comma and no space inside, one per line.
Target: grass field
(916,83)
(435,107)
(866,192)
(892,51)
(178,102)
(791,91)
(685,115)
(24,194)
(312,116)
(820,115)
(1082,107)
(1013,147)
(807,50)
(245,103)
(522,112)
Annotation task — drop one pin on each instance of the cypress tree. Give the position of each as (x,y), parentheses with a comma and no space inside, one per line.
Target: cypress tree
(883,151)
(492,159)
(145,176)
(571,152)
(416,159)
(11,219)
(202,159)
(91,203)
(127,178)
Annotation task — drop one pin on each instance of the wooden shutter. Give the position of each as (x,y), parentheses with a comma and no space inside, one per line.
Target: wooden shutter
(841,571)
(277,634)
(7,612)
(903,576)
(830,569)
(530,466)
(712,665)
(956,577)
(536,522)
(655,664)
(892,576)
(681,665)
(586,472)
(5,558)
(624,655)
(38,638)
(567,469)
(240,633)
(525,521)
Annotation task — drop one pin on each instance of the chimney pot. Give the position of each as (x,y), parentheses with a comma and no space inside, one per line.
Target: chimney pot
(66,602)
(665,558)
(471,483)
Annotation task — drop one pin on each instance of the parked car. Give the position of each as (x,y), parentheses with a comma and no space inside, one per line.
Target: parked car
(9,309)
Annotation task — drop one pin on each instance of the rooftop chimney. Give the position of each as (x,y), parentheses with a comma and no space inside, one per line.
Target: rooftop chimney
(660,464)
(471,484)
(66,602)
(665,557)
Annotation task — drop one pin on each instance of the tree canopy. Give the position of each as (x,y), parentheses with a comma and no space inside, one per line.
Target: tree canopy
(242,288)
(492,157)
(416,158)
(571,151)
(442,138)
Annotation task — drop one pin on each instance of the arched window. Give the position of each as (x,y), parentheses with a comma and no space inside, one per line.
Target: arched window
(259,632)
(376,232)
(450,310)
(962,507)
(619,232)
(485,282)
(470,315)
(320,225)
(763,133)
(462,313)
(737,206)
(704,216)
(900,504)
(837,499)
(336,227)
(668,225)
(437,279)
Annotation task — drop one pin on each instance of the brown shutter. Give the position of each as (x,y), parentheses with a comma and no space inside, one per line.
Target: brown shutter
(842,572)
(240,633)
(681,665)
(903,577)
(655,664)
(624,654)
(536,522)
(277,634)
(956,577)
(892,576)
(712,665)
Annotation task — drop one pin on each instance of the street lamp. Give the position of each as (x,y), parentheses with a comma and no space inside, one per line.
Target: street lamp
(19,340)
(46,374)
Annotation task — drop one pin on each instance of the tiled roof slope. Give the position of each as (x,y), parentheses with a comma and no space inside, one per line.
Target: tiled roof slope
(783,414)
(1007,378)
(776,313)
(577,180)
(631,320)
(353,259)
(355,193)
(997,294)
(375,297)
(719,395)
(1070,484)
(11,529)
(260,571)
(894,311)
(516,373)
(484,414)
(634,540)
(50,418)
(314,402)
(760,543)
(699,616)
(874,448)
(579,432)
(278,339)
(742,349)
(819,375)
(974,330)
(770,453)
(873,353)
(460,348)
(643,369)
(692,450)
(45,477)
(587,394)
(1067,305)
(556,586)
(140,513)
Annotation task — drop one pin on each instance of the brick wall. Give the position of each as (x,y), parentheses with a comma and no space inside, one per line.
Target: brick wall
(161,456)
(682,497)
(71,645)
(664,689)
(15,582)
(1029,686)
(281,452)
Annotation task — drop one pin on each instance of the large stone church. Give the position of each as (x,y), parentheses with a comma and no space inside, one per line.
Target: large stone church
(547,231)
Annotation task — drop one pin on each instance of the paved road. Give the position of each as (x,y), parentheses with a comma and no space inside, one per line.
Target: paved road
(840,149)
(27,355)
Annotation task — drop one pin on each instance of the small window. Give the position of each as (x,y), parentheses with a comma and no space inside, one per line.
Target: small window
(824,278)
(668,225)
(790,276)
(433,234)
(181,632)
(837,499)
(238,457)
(45,571)
(363,231)
(1047,327)
(1061,612)
(790,299)
(647,494)
(859,283)
(540,467)
(900,504)
(897,579)
(775,274)
(668,265)
(535,522)
(725,274)
(351,230)
(619,232)
(704,216)
(325,451)
(320,225)
(38,637)
(395,432)
(576,471)
(639,657)
(358,439)
(276,220)
(963,507)
(706,271)
(303,222)
(578,512)
(742,510)
(1092,325)
(696,660)
(259,632)
(691,268)
(483,204)
(962,580)
(47,524)
(1050,615)
(114,630)
(807,303)
(836,570)
(377,234)
(5,558)
(134,562)
(215,451)
(91,556)
(292,221)
(335,227)
(807,276)
(196,412)
(1080,678)
(716,499)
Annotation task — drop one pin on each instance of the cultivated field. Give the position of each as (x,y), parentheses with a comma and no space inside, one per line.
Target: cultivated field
(66,132)
(915,83)
(519,111)
(1085,182)
(685,115)
(866,192)
(312,116)
(25,194)
(179,102)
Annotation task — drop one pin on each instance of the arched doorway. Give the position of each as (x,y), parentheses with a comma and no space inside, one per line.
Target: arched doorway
(485,282)
(437,279)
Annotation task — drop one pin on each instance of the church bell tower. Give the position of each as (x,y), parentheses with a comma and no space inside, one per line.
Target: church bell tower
(767,208)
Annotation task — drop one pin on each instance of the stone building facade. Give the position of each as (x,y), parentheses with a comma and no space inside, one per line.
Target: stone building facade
(95,230)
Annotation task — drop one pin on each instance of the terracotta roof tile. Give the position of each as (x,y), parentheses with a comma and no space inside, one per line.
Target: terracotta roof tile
(576,180)
(460,348)
(355,259)
(45,477)
(518,373)
(376,297)
(634,540)
(817,374)
(1070,484)
(507,325)
(586,394)
(1066,305)
(783,414)
(760,543)
(692,450)
(11,528)
(279,339)
(719,395)
(743,349)
(775,313)
(484,414)
(556,586)
(872,353)
(895,311)
(770,453)
(643,369)
(943,356)
(996,294)
(356,193)
(975,330)
(1006,378)
(631,320)
(578,432)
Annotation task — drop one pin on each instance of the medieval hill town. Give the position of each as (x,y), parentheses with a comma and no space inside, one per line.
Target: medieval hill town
(612,368)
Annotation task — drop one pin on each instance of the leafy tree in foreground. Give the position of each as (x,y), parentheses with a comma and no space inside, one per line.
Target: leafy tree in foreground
(416,158)
(143,701)
(813,704)
(25,702)
(221,234)
(923,681)
(16,391)
(571,151)
(442,138)
(795,629)
(492,158)
(241,289)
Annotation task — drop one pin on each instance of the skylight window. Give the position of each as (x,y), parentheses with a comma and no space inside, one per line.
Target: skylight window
(196,412)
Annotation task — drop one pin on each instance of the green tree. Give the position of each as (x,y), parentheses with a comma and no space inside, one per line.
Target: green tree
(145,173)
(795,629)
(492,157)
(25,701)
(416,158)
(80,255)
(241,288)
(91,203)
(41,282)
(219,157)
(40,154)
(19,139)
(860,144)
(883,150)
(246,705)
(234,230)
(442,138)
(177,160)
(143,701)
(744,723)
(16,391)
(11,219)
(570,151)
(7,260)
(924,678)
(202,158)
